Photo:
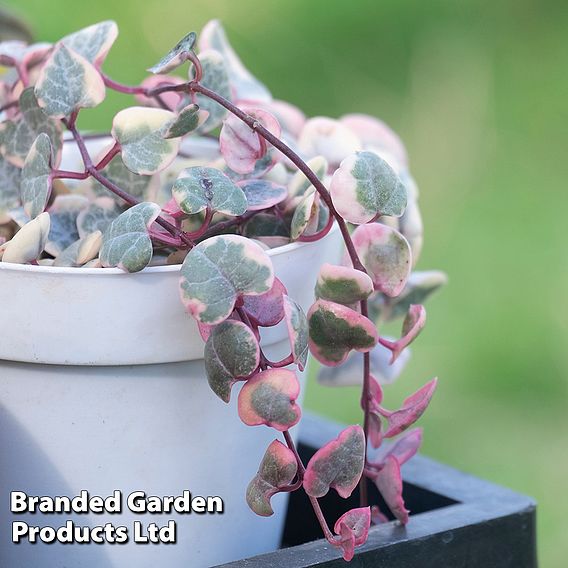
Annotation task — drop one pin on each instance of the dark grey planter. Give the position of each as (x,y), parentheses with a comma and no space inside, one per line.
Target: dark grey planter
(457,520)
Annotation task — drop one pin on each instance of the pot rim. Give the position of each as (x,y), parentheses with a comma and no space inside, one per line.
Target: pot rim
(277,251)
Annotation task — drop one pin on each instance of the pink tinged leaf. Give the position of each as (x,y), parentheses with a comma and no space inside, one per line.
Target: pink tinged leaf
(297,325)
(262,194)
(377,517)
(404,448)
(231,353)
(240,145)
(267,309)
(413,324)
(270,398)
(375,422)
(412,409)
(289,116)
(386,255)
(338,465)
(335,330)
(277,470)
(204,330)
(375,430)
(171,98)
(343,284)
(389,482)
(353,529)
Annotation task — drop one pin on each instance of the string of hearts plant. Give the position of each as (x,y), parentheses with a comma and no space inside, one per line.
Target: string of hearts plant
(209,171)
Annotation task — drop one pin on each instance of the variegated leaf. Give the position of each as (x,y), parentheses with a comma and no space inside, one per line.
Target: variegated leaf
(389,483)
(299,183)
(188,119)
(17,137)
(245,86)
(231,353)
(139,131)
(126,243)
(97,216)
(176,56)
(386,256)
(343,284)
(305,218)
(262,194)
(198,188)
(36,177)
(270,398)
(335,330)
(93,42)
(68,82)
(297,325)
(81,251)
(337,465)
(10,177)
(353,529)
(266,225)
(63,213)
(365,187)
(220,269)
(28,243)
(277,470)
(413,324)
(403,449)
(266,310)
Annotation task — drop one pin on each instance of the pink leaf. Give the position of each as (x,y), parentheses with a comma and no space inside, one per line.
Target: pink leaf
(412,409)
(267,309)
(353,530)
(413,324)
(375,423)
(270,398)
(240,145)
(377,517)
(405,447)
(338,464)
(389,483)
(171,99)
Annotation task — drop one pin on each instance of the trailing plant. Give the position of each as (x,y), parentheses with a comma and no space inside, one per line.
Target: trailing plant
(207,170)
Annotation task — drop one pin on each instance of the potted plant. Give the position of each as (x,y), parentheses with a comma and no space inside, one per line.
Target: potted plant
(211,191)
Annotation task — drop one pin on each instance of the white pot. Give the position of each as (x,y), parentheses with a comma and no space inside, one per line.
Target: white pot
(102,387)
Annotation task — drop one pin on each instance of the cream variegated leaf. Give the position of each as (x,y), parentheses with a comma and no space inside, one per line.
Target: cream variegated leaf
(36,177)
(29,242)
(93,42)
(176,56)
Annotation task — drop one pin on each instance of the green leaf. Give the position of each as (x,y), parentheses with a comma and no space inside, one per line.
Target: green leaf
(305,217)
(262,194)
(126,242)
(335,330)
(81,251)
(217,271)
(93,42)
(97,216)
(365,187)
(198,188)
(297,325)
(36,177)
(64,212)
(343,284)
(188,119)
(176,56)
(386,255)
(17,137)
(139,131)
(231,353)
(28,243)
(215,77)
(270,398)
(9,188)
(68,82)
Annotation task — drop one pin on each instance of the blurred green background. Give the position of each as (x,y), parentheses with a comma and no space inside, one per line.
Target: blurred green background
(479,91)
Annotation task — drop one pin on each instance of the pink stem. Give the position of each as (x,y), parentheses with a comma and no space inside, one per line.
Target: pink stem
(107,158)
(120,88)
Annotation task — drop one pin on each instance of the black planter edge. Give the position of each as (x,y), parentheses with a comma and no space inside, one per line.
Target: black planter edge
(487,526)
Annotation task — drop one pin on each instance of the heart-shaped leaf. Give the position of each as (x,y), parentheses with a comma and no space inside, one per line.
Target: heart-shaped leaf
(240,145)
(245,86)
(277,470)
(176,56)
(337,465)
(389,482)
(197,188)
(28,243)
(17,137)
(64,212)
(216,78)
(413,324)
(365,187)
(412,409)
(220,269)
(297,325)
(231,353)
(10,177)
(126,243)
(36,177)
(187,120)
(81,251)
(386,256)
(335,330)
(93,42)
(267,309)
(68,82)
(353,529)
(299,183)
(139,131)
(343,284)
(97,216)
(262,194)
(270,398)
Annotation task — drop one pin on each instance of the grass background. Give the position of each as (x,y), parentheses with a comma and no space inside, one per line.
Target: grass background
(478,90)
